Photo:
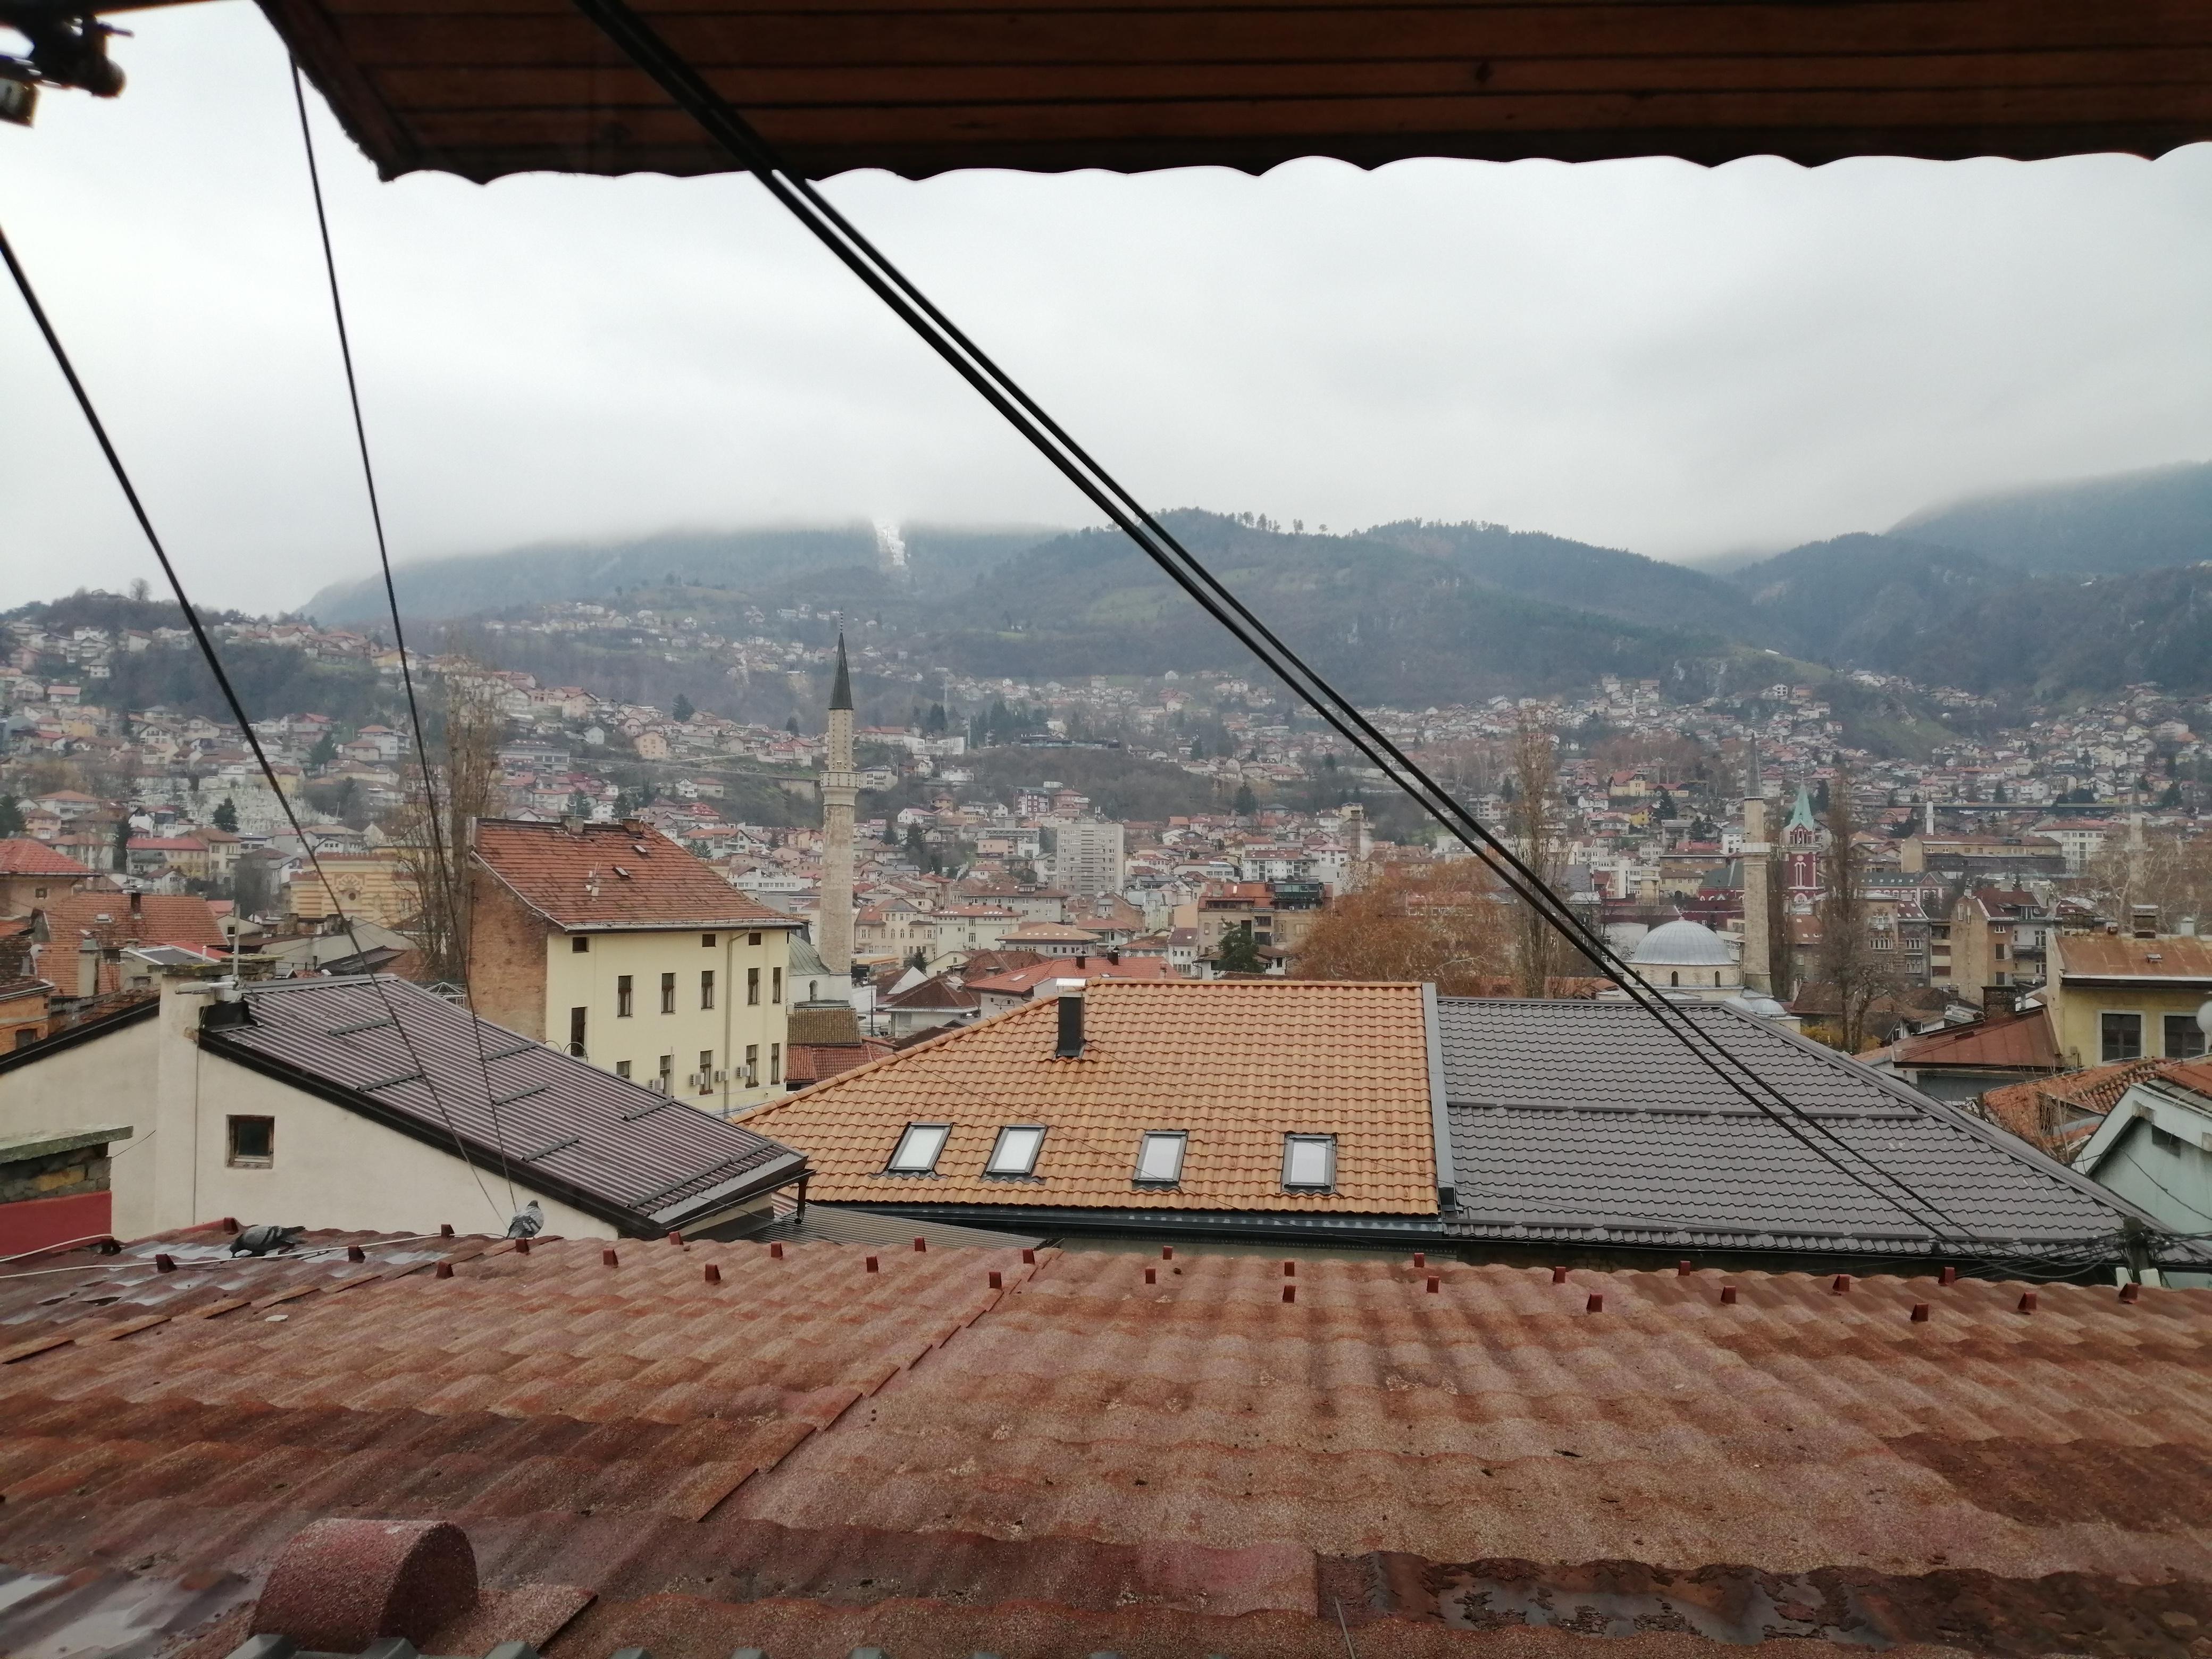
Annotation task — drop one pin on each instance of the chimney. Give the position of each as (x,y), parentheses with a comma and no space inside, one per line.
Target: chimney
(1998,1001)
(137,904)
(88,967)
(2144,918)
(1071,1019)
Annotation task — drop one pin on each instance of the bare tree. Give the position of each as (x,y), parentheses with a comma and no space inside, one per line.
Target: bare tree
(1860,975)
(1446,923)
(2167,869)
(433,829)
(1534,823)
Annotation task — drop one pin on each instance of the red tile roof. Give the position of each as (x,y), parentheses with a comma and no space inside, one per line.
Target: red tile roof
(1022,982)
(20,855)
(2048,1112)
(602,876)
(120,920)
(807,1457)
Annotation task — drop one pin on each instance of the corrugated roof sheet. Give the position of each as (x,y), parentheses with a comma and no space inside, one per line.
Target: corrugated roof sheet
(2014,1041)
(645,1159)
(2116,956)
(1586,1120)
(1236,1065)
(807,1457)
(613,875)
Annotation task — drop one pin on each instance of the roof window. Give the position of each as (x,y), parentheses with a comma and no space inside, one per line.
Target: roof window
(1309,1163)
(1159,1158)
(1016,1153)
(918,1148)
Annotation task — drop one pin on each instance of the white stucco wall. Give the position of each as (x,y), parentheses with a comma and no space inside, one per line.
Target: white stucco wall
(332,1167)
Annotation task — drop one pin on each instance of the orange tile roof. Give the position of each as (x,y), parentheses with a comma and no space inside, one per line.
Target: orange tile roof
(1021,981)
(1236,1064)
(613,875)
(112,918)
(2038,1111)
(20,855)
(2117,955)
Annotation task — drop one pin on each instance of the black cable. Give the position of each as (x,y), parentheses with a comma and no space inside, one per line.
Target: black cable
(728,129)
(441,865)
(222,680)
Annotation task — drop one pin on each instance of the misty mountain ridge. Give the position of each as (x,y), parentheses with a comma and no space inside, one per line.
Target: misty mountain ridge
(1420,612)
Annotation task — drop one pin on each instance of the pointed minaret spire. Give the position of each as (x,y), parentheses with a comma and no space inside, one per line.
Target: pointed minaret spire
(840,788)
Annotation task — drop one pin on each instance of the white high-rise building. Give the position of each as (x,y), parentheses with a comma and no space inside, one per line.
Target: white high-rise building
(1087,858)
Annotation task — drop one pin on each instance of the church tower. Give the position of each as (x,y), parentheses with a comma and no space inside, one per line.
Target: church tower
(1801,846)
(840,787)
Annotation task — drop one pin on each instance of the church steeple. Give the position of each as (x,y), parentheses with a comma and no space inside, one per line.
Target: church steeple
(1800,813)
(841,693)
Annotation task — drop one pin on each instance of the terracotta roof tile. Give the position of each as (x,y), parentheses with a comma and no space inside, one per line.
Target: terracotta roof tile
(1236,1065)
(120,920)
(614,875)
(807,1458)
(20,855)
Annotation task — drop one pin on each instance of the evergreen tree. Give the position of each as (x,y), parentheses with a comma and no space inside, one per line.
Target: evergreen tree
(1245,804)
(324,751)
(1238,953)
(792,725)
(226,815)
(11,817)
(119,851)
(683,710)
(891,829)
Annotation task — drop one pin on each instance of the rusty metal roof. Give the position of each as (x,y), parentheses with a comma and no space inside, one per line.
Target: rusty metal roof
(807,1457)
(920,87)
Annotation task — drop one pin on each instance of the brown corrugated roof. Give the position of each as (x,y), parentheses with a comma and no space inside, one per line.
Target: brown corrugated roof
(808,1457)
(2020,1042)
(1236,1065)
(613,875)
(2116,956)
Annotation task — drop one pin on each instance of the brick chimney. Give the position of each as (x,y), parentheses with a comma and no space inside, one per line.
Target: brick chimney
(1070,1046)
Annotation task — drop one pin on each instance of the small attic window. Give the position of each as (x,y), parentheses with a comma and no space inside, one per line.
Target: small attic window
(1016,1153)
(640,849)
(623,873)
(918,1148)
(1159,1158)
(1309,1163)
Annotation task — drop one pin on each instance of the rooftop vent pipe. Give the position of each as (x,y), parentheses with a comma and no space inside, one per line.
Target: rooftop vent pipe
(1071,1019)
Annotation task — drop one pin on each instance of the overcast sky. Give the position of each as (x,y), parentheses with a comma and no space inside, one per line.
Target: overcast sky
(1645,354)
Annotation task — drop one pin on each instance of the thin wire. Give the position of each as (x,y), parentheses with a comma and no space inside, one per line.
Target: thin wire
(727,127)
(222,679)
(442,866)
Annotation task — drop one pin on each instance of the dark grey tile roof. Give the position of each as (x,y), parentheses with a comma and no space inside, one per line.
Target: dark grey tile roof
(1588,1120)
(641,1159)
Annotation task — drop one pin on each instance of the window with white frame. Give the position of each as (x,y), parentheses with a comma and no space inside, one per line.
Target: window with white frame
(918,1148)
(1015,1153)
(1309,1163)
(1159,1158)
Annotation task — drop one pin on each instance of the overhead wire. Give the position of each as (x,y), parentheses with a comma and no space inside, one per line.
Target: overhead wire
(222,680)
(444,868)
(729,130)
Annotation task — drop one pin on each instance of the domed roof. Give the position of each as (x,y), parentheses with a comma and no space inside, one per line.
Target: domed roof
(1682,945)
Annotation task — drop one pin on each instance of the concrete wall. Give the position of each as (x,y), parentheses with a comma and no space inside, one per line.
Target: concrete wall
(2076,1009)
(106,1080)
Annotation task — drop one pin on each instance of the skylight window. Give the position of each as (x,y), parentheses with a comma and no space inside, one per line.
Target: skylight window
(918,1148)
(1016,1154)
(1159,1158)
(1309,1163)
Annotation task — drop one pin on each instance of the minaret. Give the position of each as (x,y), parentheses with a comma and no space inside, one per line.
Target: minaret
(1757,947)
(840,787)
